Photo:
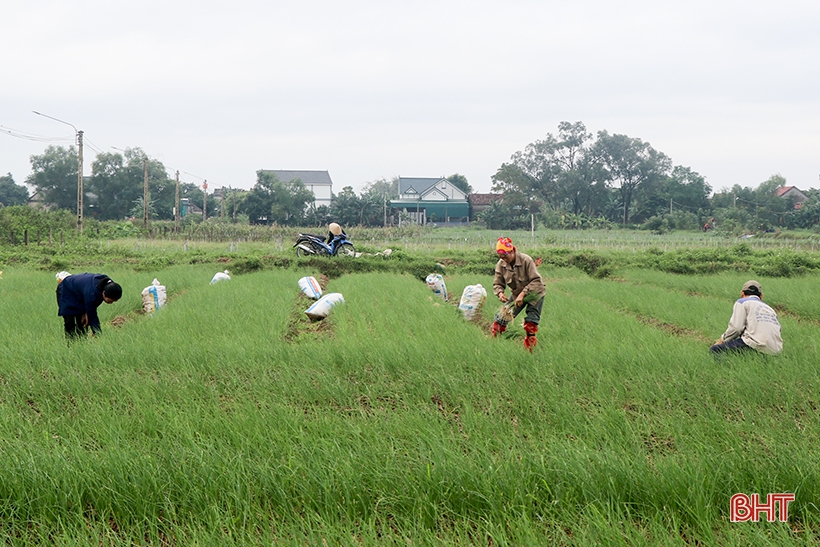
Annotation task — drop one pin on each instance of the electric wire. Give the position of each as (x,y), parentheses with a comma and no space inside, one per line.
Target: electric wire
(34,137)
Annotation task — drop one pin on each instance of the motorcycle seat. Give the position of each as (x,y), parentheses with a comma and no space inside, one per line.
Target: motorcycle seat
(320,238)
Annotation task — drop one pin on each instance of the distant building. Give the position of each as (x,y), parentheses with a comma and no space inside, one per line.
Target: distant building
(792,192)
(436,200)
(187,208)
(481,202)
(317,182)
(35,201)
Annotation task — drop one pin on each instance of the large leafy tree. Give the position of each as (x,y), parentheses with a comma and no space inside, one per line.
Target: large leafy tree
(562,171)
(580,185)
(630,164)
(11,193)
(118,181)
(529,179)
(54,174)
(682,190)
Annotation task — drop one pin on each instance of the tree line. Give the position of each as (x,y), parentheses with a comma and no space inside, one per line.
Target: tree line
(576,179)
(570,180)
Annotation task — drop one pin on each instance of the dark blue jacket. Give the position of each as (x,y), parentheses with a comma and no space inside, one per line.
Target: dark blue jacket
(81,294)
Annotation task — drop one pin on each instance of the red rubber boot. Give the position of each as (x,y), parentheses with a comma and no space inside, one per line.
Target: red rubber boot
(498,328)
(530,341)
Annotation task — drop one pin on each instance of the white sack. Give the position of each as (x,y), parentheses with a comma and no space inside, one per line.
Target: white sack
(436,284)
(219,276)
(321,308)
(472,297)
(153,297)
(310,287)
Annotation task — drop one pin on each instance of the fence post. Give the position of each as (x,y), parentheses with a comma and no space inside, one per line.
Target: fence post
(61,238)
(12,237)
(25,237)
(50,241)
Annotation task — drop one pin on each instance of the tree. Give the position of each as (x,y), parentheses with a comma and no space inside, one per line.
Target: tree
(630,164)
(11,193)
(562,171)
(530,178)
(389,189)
(683,190)
(460,182)
(346,207)
(54,174)
(501,216)
(272,200)
(118,181)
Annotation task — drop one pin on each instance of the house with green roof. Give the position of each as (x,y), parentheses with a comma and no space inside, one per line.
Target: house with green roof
(425,200)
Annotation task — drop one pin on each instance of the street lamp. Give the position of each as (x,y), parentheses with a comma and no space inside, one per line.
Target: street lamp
(79,170)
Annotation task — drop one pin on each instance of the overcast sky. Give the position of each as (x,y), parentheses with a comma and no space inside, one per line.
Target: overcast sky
(374,89)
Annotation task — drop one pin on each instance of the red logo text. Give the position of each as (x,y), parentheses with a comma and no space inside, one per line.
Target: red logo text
(744,508)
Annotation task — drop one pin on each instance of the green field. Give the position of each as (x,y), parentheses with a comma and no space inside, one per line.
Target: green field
(227,418)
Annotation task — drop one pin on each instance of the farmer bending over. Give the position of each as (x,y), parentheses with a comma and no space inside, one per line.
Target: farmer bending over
(753,326)
(79,296)
(517,271)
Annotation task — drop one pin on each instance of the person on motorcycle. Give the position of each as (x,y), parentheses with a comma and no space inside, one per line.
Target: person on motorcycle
(335,231)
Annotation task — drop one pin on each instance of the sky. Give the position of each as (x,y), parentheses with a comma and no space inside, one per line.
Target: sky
(417,88)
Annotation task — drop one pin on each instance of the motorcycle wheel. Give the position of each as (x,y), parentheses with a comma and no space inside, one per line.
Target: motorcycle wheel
(346,249)
(301,252)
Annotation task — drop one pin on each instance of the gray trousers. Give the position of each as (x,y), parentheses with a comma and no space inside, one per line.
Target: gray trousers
(533,311)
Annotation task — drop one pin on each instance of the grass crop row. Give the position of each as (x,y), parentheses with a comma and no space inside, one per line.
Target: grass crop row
(400,422)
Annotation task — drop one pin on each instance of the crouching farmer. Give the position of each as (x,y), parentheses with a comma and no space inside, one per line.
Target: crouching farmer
(753,326)
(79,296)
(517,271)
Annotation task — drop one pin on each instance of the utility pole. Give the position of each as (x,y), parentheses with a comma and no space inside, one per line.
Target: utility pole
(670,206)
(80,190)
(79,135)
(205,201)
(222,206)
(176,204)
(145,194)
(234,206)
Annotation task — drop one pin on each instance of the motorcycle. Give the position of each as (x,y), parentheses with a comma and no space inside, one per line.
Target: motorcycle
(313,245)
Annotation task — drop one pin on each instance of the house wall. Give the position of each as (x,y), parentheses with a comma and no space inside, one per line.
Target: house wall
(323,193)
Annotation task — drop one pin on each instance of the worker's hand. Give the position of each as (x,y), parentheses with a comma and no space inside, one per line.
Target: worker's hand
(85,320)
(503,298)
(718,341)
(519,301)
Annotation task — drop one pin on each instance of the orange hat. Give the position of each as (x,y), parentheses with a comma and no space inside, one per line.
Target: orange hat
(504,246)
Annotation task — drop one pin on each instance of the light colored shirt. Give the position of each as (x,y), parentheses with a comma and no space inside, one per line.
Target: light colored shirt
(756,324)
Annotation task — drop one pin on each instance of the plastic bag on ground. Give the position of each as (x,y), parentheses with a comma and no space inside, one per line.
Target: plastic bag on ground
(220,276)
(310,287)
(472,297)
(153,297)
(62,275)
(436,284)
(321,308)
